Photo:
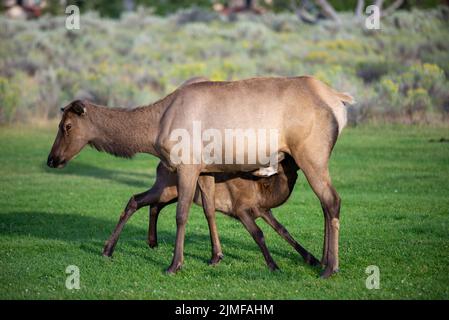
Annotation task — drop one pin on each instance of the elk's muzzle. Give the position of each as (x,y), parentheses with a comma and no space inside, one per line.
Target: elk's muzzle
(54,162)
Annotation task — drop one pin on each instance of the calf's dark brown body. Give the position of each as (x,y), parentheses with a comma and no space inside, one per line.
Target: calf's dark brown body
(241,196)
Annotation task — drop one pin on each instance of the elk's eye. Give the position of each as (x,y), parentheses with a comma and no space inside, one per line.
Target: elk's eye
(68,126)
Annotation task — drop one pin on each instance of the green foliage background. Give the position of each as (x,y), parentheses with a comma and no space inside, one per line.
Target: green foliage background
(398,73)
(392,179)
(113,8)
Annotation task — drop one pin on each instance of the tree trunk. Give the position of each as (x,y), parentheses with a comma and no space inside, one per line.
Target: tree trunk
(328,10)
(128,5)
(360,8)
(379,3)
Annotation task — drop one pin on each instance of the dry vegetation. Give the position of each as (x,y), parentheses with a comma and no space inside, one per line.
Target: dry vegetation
(399,73)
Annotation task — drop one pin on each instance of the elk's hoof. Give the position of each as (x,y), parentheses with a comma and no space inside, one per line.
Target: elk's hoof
(324,262)
(173,269)
(328,272)
(216,259)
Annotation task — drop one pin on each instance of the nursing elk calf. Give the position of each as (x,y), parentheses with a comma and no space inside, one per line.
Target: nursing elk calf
(307,115)
(239,195)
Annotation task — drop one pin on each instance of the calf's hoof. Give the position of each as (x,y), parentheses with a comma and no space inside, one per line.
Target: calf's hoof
(216,259)
(273,266)
(106,254)
(152,244)
(312,261)
(107,251)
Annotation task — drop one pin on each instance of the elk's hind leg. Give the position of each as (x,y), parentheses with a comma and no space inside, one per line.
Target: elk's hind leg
(320,182)
(313,160)
(283,232)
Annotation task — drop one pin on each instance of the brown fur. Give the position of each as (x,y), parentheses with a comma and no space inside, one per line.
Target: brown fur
(242,196)
(308,115)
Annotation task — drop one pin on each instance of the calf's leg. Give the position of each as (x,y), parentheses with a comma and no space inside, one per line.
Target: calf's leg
(135,203)
(207,188)
(152,226)
(283,232)
(155,210)
(258,236)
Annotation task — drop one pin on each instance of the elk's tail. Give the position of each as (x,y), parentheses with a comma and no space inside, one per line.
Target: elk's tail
(346,98)
(339,109)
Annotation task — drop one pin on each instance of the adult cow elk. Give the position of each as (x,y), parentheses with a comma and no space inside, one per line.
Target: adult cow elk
(307,115)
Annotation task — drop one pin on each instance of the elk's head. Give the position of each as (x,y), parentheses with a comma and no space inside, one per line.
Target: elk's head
(75,131)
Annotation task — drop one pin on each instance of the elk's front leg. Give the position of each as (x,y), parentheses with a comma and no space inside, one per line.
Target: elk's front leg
(207,188)
(187,179)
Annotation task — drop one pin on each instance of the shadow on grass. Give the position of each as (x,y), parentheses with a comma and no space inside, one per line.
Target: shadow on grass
(91,233)
(134,179)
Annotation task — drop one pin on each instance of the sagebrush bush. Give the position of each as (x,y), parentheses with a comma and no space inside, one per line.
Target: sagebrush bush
(395,73)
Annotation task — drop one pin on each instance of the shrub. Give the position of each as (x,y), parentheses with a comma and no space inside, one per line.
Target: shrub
(319,57)
(140,57)
(371,71)
(417,100)
(9,99)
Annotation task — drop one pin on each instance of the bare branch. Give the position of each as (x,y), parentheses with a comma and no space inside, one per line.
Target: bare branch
(302,13)
(393,7)
(379,3)
(328,10)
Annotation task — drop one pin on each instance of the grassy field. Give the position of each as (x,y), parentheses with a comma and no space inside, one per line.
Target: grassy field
(394,182)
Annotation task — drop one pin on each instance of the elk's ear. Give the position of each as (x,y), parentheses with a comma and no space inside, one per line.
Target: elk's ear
(78,107)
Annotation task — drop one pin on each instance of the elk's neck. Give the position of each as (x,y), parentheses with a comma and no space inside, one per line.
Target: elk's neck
(125,132)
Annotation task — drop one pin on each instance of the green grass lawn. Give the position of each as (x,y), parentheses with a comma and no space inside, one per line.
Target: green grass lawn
(394,185)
